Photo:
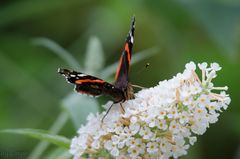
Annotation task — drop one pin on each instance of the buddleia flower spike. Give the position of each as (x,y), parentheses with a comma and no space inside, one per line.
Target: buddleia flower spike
(161,122)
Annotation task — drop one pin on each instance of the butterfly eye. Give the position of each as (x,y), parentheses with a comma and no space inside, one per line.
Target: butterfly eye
(109,86)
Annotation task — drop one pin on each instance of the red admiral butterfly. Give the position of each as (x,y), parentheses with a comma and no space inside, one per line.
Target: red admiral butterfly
(120,90)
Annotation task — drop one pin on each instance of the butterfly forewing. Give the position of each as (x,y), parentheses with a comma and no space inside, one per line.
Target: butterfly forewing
(85,84)
(91,85)
(121,77)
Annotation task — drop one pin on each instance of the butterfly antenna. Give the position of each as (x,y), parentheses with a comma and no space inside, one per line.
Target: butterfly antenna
(107,112)
(137,86)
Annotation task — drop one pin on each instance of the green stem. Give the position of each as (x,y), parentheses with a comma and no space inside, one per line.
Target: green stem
(55,128)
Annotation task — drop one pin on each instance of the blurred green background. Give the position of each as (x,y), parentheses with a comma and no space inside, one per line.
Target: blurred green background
(33,34)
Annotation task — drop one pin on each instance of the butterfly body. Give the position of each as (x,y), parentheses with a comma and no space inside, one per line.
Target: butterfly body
(121,90)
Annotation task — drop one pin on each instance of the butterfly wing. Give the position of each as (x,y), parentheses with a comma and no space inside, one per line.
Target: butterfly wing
(90,85)
(121,77)
(85,84)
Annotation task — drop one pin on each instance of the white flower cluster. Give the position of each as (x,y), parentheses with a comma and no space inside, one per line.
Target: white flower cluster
(161,122)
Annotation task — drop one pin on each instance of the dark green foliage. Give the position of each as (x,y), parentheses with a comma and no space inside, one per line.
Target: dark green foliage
(37,37)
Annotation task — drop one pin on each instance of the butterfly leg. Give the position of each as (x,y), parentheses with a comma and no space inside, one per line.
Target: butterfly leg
(107,112)
(123,110)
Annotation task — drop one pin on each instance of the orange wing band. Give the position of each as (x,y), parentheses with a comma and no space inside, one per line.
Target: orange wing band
(128,52)
(118,69)
(87,80)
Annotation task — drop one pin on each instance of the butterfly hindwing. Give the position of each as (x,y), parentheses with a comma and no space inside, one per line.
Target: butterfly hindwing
(121,77)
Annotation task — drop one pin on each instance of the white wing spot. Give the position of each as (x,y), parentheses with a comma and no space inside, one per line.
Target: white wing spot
(72,75)
(131,39)
(81,75)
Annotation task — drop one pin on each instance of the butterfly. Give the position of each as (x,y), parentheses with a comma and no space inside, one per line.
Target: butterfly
(121,90)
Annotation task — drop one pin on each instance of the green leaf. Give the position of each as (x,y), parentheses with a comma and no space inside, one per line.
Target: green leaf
(94,56)
(219,19)
(55,128)
(79,107)
(41,135)
(135,58)
(59,153)
(58,50)
(21,10)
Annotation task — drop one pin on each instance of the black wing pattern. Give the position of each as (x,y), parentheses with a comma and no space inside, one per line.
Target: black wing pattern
(122,73)
(90,85)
